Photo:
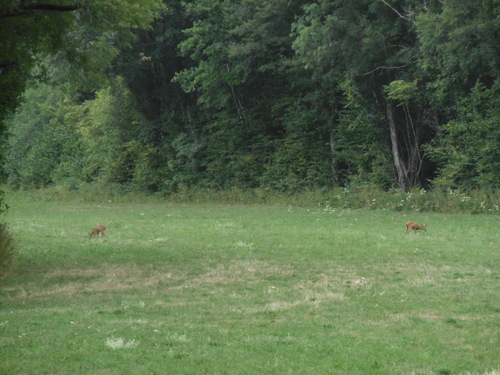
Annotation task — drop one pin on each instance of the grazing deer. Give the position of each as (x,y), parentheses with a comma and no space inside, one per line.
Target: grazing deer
(98,229)
(411,225)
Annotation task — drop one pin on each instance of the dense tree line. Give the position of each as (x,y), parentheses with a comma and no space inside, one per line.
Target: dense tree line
(278,94)
(66,40)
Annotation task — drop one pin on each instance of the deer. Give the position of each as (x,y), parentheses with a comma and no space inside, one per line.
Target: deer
(98,229)
(411,225)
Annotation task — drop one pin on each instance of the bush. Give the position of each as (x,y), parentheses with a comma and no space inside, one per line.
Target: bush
(6,249)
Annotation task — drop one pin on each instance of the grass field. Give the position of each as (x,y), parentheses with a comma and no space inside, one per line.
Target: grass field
(235,289)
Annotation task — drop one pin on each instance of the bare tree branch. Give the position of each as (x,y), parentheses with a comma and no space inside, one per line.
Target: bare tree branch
(405,17)
(385,68)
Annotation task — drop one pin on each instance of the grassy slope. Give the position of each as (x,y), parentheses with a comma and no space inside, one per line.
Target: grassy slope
(190,289)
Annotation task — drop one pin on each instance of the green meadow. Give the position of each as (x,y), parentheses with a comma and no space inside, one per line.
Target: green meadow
(248,289)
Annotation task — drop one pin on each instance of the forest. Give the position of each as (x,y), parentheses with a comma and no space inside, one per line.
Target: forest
(283,95)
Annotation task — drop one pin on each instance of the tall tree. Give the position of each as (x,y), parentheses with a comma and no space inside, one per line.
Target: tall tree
(467,147)
(30,29)
(370,44)
(282,94)
(238,49)
(461,55)
(458,42)
(174,128)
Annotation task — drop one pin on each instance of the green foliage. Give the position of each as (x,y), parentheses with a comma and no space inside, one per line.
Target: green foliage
(46,28)
(459,47)
(31,31)
(249,94)
(293,168)
(355,196)
(467,147)
(401,91)
(238,51)
(41,139)
(42,32)
(340,44)
(55,140)
(107,134)
(7,249)
(359,143)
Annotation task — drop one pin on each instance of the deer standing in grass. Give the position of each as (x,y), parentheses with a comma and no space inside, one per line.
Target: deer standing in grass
(411,225)
(98,229)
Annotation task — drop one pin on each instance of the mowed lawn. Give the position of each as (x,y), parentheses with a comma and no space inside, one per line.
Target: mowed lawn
(235,289)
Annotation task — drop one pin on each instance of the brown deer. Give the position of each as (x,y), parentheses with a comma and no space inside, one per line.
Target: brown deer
(411,225)
(98,229)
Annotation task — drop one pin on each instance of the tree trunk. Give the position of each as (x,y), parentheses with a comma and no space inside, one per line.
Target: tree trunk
(237,102)
(399,164)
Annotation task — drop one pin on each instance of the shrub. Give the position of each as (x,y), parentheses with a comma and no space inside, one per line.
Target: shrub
(6,249)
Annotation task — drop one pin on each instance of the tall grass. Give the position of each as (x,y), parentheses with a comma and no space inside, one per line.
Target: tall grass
(417,200)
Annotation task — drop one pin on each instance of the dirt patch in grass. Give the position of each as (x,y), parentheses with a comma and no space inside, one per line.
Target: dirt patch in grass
(64,282)
(250,272)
